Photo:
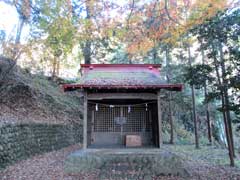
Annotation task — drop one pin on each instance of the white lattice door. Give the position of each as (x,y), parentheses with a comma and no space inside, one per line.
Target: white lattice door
(110,124)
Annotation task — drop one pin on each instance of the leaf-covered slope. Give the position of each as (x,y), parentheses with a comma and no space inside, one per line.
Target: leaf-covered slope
(33,98)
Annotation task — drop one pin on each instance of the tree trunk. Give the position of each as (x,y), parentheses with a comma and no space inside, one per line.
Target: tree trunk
(170,115)
(209,124)
(54,67)
(209,128)
(19,31)
(226,96)
(195,117)
(58,68)
(229,142)
(87,44)
(154,55)
(130,60)
(15,53)
(18,38)
(193,104)
(87,52)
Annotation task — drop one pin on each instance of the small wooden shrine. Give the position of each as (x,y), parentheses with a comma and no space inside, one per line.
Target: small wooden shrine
(122,104)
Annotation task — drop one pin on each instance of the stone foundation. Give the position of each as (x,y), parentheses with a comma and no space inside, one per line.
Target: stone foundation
(121,163)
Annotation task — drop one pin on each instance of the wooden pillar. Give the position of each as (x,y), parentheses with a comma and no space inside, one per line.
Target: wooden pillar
(92,128)
(159,120)
(85,117)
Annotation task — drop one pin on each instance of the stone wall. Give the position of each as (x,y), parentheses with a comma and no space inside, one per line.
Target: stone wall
(24,140)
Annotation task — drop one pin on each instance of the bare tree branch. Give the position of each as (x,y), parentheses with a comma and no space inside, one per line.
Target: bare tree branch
(131,12)
(167,12)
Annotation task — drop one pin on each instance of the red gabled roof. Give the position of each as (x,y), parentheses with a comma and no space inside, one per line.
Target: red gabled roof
(122,76)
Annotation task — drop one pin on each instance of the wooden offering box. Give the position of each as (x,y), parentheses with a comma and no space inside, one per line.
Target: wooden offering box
(133,141)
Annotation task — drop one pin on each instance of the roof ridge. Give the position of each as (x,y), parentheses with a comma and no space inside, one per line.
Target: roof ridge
(121,65)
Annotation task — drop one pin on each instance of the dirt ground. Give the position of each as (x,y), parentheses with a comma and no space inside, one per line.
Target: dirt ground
(50,166)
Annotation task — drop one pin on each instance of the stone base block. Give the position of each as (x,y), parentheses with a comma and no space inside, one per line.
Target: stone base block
(148,162)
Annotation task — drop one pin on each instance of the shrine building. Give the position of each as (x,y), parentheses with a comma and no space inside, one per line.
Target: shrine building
(122,104)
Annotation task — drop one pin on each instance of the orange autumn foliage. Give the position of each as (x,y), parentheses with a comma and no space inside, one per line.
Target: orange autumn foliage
(166,23)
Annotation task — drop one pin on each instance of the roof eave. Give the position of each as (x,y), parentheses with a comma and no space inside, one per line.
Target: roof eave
(173,87)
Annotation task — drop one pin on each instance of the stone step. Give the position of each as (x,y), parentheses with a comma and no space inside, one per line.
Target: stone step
(126,164)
